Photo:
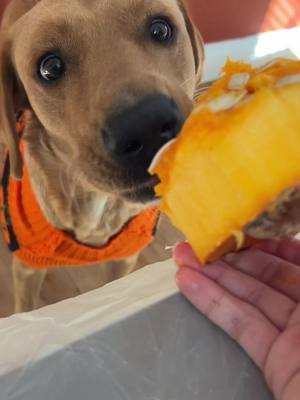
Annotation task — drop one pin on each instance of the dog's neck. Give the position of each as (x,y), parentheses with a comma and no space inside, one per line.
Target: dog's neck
(91,218)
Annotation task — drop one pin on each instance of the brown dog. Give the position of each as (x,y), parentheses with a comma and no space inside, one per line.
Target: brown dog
(106,84)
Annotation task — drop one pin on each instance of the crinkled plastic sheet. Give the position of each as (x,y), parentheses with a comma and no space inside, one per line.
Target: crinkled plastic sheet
(135,339)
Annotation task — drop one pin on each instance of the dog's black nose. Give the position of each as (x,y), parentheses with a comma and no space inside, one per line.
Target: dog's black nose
(135,134)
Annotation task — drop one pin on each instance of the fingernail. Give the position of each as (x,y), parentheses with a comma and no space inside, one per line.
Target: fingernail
(184,256)
(179,262)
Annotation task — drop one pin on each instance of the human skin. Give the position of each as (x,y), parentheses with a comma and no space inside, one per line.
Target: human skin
(3,4)
(254,296)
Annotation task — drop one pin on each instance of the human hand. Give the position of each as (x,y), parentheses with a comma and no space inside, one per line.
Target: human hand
(254,296)
(3,4)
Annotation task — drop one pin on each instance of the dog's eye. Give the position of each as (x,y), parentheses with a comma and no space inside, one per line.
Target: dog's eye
(51,67)
(161,31)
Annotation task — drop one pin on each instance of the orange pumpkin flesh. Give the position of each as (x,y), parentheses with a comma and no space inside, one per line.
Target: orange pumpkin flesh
(238,151)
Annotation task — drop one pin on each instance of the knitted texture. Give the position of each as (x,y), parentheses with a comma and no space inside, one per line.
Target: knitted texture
(43,246)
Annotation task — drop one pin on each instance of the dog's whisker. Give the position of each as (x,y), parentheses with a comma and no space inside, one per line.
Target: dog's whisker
(185,82)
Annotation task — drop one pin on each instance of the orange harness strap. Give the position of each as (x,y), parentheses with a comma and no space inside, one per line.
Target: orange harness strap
(39,245)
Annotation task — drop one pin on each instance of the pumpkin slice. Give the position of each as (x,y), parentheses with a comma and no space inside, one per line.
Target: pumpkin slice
(236,161)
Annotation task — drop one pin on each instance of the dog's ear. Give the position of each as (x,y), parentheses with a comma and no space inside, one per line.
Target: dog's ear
(14,10)
(8,95)
(196,40)
(12,94)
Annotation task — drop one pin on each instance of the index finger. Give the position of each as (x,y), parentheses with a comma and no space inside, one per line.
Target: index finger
(274,271)
(289,250)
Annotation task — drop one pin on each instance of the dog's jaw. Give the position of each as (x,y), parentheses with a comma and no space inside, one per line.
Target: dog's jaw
(91,217)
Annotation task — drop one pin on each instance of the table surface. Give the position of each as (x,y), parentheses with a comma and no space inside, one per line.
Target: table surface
(135,339)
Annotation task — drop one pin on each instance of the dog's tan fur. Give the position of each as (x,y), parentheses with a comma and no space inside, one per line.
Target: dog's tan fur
(110,63)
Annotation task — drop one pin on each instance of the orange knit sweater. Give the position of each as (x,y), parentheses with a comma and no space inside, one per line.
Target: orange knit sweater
(39,245)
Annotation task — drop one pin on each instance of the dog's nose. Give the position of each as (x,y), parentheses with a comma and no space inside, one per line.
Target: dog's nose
(135,134)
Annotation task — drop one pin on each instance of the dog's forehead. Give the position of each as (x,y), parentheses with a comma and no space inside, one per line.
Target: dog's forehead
(84,8)
(68,23)
(61,17)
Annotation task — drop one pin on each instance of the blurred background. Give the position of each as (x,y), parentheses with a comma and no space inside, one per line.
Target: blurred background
(228,19)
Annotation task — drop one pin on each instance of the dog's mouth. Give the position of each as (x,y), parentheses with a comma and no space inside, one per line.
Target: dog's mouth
(142,192)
